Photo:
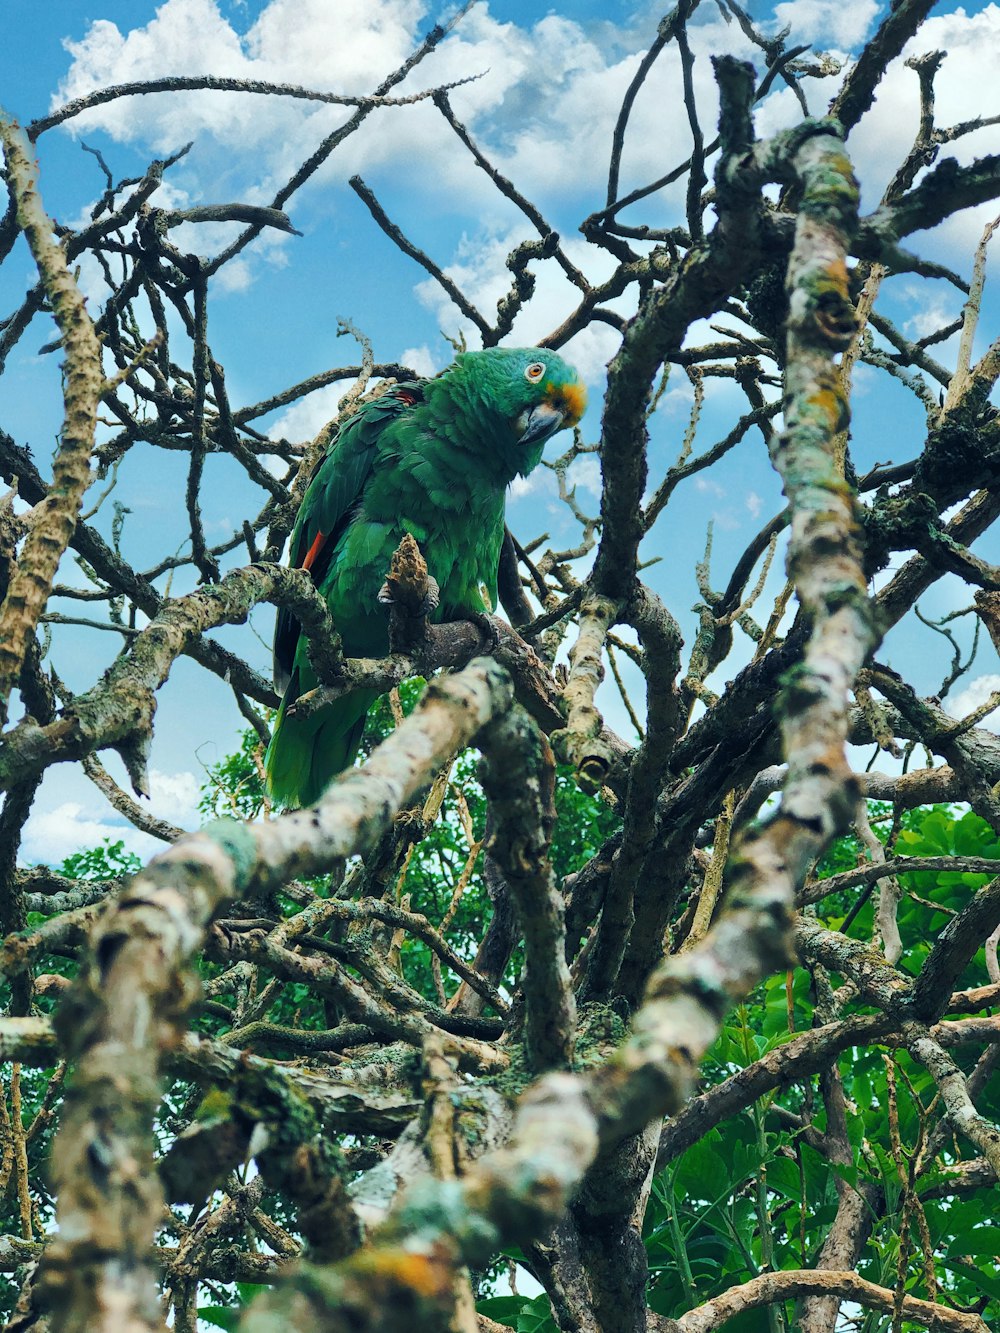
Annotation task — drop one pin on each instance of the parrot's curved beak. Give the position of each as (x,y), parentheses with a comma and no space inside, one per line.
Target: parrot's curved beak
(541,422)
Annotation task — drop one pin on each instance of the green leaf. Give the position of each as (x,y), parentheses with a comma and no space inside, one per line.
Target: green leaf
(220,1316)
(109,861)
(980,1239)
(702,1172)
(985,1280)
(844,1172)
(783,1177)
(536,1317)
(248,1290)
(502,1309)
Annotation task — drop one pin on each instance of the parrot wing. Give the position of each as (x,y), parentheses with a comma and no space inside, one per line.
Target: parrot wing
(332,497)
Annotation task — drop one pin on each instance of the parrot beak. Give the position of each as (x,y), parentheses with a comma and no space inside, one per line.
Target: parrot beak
(541,422)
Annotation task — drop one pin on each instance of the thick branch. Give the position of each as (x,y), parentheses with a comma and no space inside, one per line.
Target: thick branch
(771,1288)
(54,519)
(129,1003)
(519,779)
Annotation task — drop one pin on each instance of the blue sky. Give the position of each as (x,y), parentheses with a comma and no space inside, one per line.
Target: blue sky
(544,106)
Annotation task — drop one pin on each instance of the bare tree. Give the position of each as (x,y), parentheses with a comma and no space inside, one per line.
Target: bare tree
(251,995)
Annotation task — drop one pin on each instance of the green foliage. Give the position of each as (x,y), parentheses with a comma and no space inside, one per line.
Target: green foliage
(523,1313)
(228,1316)
(380,721)
(233,787)
(34,1084)
(932,830)
(583,824)
(754,1193)
(436,865)
(941,831)
(220,1316)
(108,861)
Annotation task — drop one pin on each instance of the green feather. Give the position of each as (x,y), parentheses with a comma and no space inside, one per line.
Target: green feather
(433,459)
(305,753)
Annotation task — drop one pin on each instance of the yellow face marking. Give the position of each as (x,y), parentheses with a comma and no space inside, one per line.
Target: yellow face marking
(569,398)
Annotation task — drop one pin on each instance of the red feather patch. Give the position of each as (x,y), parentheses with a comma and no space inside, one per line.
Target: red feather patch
(405,396)
(314,550)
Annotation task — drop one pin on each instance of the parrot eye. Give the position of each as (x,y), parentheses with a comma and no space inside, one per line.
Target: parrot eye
(535,371)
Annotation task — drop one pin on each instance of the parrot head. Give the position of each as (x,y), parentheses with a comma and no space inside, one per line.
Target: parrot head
(532,390)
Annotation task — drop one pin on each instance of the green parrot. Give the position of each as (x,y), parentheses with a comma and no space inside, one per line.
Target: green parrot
(432,458)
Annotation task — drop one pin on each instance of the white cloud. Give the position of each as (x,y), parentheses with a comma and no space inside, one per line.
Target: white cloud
(865,380)
(50,835)
(585,474)
(274,463)
(677,399)
(185,37)
(709,487)
(348,47)
(479,270)
(539,482)
(828,22)
(546,121)
(304,418)
(963,81)
(236,276)
(174,796)
(569,103)
(781,109)
(932,310)
(975,693)
(590,350)
(422,360)
(307,416)
(544,110)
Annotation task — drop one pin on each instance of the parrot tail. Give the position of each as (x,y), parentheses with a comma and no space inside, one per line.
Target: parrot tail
(307,753)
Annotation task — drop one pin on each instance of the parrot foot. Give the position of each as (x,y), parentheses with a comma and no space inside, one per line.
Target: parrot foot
(489,627)
(428,603)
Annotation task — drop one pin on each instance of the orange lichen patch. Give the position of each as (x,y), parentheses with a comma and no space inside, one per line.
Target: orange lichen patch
(841,164)
(570,398)
(829,400)
(429,1275)
(836,272)
(831,761)
(314,550)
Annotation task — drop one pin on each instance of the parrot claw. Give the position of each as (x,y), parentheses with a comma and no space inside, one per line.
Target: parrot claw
(428,603)
(488,626)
